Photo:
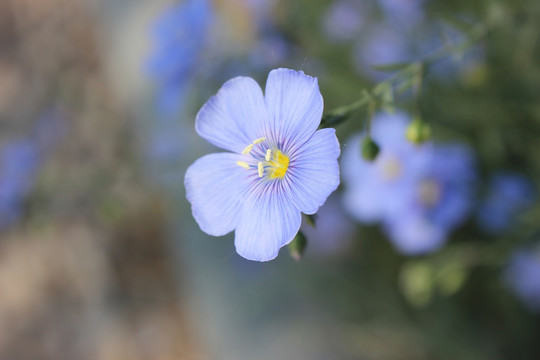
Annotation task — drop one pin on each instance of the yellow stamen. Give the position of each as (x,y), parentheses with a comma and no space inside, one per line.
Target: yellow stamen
(243,164)
(279,165)
(268,154)
(260,168)
(259,140)
(248,149)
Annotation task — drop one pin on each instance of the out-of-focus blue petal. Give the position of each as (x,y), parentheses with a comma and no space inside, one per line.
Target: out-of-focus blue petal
(343,20)
(295,106)
(235,116)
(406,12)
(452,168)
(334,231)
(523,277)
(383,45)
(19,162)
(314,171)
(180,35)
(271,50)
(419,193)
(378,190)
(216,187)
(413,234)
(508,194)
(269,220)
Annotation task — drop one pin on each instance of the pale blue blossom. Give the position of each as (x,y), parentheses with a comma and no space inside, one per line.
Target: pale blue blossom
(406,12)
(383,44)
(418,193)
(279,164)
(523,276)
(180,35)
(343,20)
(508,195)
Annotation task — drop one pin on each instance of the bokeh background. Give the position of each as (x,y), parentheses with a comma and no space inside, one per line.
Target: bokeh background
(101,259)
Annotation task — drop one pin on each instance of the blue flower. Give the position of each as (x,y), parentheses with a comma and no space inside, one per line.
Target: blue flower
(440,200)
(343,20)
(382,45)
(419,194)
(19,161)
(179,36)
(278,167)
(406,12)
(508,194)
(523,276)
(376,190)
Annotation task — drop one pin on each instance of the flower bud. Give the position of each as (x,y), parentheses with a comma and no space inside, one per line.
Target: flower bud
(298,246)
(370,149)
(418,131)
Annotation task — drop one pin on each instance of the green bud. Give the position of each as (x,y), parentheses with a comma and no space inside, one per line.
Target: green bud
(451,279)
(310,219)
(418,131)
(298,246)
(370,149)
(416,282)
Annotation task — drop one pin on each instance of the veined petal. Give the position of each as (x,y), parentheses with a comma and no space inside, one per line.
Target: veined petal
(215,187)
(314,171)
(268,221)
(234,117)
(295,106)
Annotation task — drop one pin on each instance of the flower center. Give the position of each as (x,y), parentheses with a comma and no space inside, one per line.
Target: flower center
(391,168)
(271,162)
(429,193)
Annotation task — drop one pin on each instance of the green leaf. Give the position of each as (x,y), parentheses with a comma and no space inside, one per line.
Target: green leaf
(298,246)
(330,120)
(311,219)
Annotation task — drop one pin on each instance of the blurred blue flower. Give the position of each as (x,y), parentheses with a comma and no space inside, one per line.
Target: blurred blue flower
(419,194)
(441,200)
(20,160)
(466,66)
(508,194)
(180,35)
(383,44)
(406,12)
(18,164)
(523,276)
(334,231)
(376,190)
(270,50)
(343,20)
(279,166)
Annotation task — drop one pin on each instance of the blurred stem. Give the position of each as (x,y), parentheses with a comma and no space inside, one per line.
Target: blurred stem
(408,75)
(419,82)
(372,106)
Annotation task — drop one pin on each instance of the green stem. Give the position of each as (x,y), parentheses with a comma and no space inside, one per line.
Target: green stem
(404,76)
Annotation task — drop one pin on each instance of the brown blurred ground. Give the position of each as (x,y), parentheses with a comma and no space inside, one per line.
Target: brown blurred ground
(86,273)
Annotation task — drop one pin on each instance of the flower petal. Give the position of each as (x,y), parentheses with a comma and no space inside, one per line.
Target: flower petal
(414,235)
(216,187)
(314,171)
(235,116)
(295,106)
(268,221)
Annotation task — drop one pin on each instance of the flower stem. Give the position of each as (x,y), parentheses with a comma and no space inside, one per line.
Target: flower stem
(407,76)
